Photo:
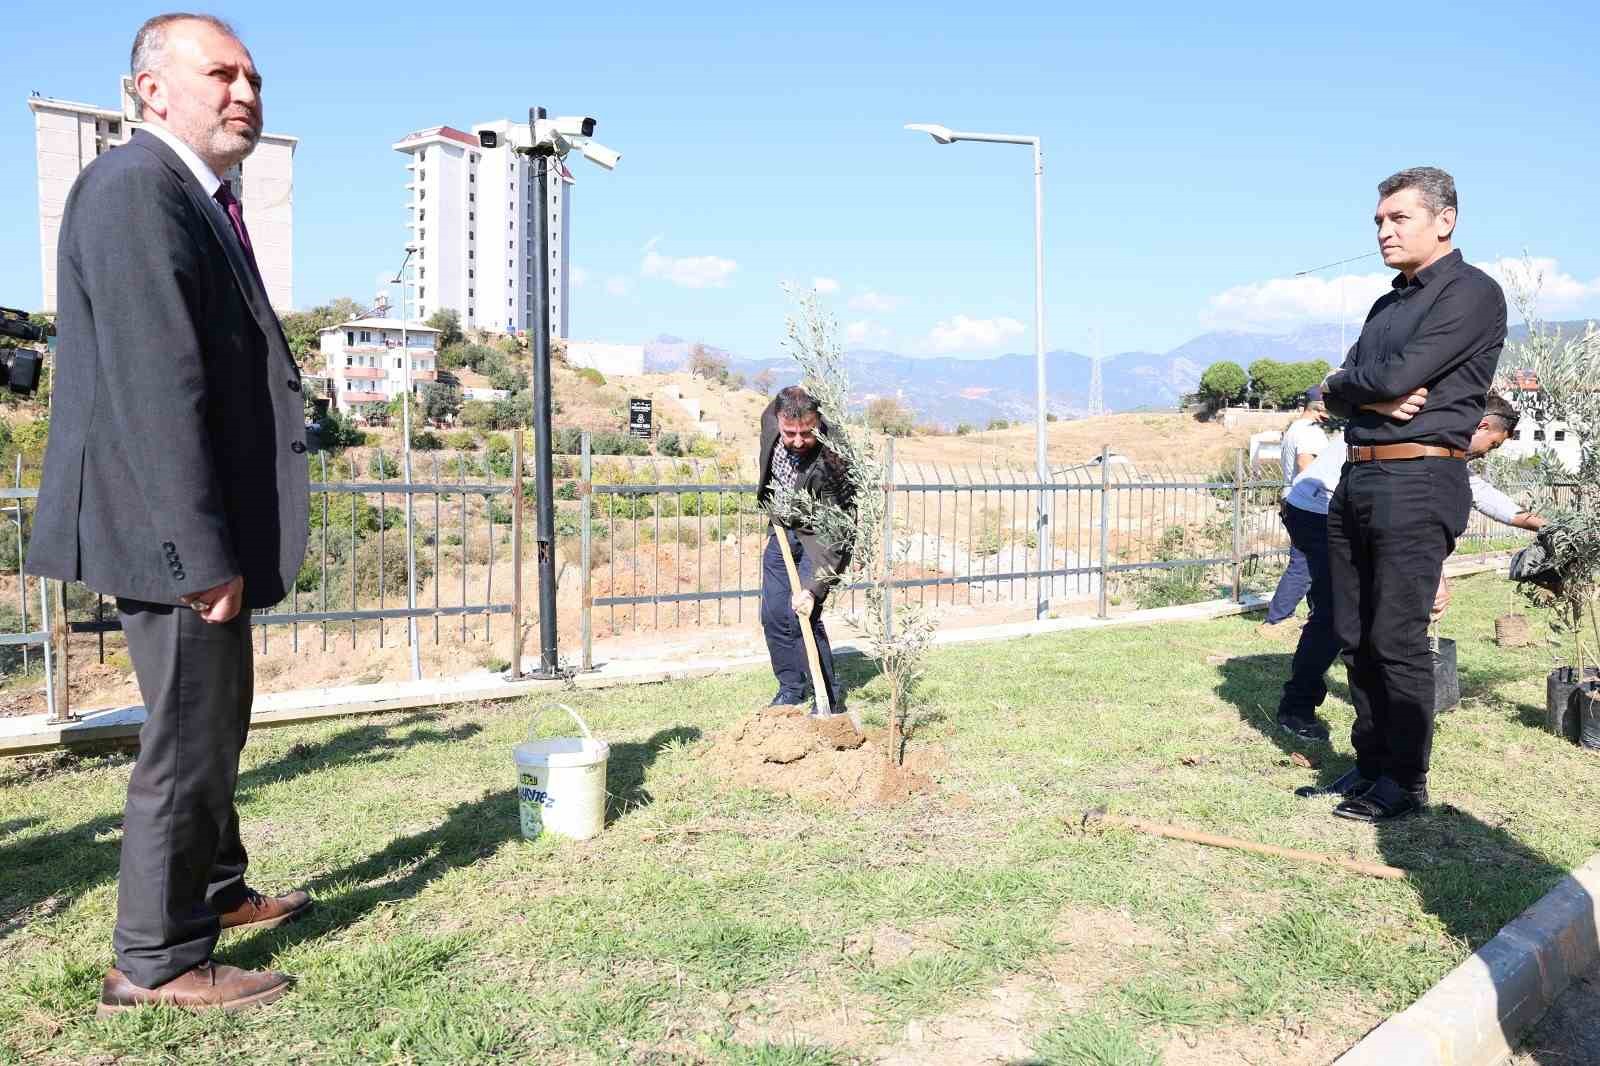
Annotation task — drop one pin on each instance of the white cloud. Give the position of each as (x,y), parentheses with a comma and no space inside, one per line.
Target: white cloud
(872,303)
(691,272)
(865,332)
(963,333)
(578,277)
(1559,292)
(617,285)
(1285,303)
(825,286)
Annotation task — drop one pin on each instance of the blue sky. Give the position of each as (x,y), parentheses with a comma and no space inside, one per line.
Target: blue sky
(1196,156)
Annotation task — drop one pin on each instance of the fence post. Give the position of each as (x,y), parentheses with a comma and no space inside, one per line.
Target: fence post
(55,620)
(1238,518)
(585,516)
(888,539)
(516,554)
(1105,465)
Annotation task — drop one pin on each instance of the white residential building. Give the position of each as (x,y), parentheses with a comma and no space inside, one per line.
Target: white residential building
(471,216)
(366,361)
(68,136)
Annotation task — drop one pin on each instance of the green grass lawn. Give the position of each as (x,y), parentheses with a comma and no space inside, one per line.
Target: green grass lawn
(715,925)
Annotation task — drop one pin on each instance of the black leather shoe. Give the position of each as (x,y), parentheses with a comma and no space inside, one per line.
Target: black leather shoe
(1383,802)
(1350,783)
(788,699)
(1305,728)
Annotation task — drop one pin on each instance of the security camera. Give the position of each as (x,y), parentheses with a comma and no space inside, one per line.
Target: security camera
(575,126)
(488,139)
(597,153)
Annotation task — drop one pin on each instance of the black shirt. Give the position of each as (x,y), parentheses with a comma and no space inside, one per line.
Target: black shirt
(1443,329)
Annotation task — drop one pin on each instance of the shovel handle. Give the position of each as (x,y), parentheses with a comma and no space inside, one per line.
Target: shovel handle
(818,682)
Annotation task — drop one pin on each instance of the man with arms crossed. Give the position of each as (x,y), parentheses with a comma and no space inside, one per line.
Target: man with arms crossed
(1413,387)
(1306,515)
(175,480)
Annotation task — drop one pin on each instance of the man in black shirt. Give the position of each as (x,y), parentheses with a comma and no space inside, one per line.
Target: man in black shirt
(1413,387)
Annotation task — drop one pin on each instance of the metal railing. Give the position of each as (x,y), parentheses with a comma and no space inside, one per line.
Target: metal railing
(661,543)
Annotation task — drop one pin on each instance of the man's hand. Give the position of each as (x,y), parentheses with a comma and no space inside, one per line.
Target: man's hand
(803,604)
(1441,600)
(220,604)
(1402,408)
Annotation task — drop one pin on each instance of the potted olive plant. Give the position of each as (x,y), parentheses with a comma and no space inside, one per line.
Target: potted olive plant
(1555,378)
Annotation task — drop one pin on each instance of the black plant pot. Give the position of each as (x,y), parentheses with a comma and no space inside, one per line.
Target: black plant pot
(1561,700)
(1446,681)
(1586,698)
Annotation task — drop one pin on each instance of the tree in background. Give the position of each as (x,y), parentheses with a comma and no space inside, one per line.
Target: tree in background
(440,403)
(302,329)
(705,363)
(1281,385)
(1223,383)
(448,323)
(889,416)
(764,381)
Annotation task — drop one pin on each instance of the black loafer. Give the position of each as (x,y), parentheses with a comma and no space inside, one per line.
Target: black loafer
(1383,802)
(1351,783)
(1304,728)
(788,699)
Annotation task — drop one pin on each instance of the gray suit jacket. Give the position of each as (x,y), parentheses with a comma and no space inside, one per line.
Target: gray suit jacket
(176,458)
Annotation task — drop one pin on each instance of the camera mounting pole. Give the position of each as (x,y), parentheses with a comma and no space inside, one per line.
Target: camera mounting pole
(543,481)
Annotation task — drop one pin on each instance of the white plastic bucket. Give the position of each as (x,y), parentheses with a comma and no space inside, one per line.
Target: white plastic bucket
(561,782)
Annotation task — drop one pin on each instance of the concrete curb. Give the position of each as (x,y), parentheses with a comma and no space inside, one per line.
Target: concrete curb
(31,734)
(1475,1015)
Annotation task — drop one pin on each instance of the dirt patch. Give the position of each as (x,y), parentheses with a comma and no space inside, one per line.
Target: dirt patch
(784,750)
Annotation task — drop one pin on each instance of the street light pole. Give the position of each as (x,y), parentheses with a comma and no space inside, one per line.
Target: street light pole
(405,472)
(1342,279)
(945,135)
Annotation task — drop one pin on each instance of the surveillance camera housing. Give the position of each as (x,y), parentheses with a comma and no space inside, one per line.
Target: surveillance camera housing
(599,154)
(488,139)
(575,126)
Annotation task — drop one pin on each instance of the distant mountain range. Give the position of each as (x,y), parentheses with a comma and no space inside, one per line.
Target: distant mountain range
(975,391)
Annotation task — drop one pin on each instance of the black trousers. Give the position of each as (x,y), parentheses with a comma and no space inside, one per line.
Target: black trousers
(1391,525)
(781,626)
(182,859)
(1307,686)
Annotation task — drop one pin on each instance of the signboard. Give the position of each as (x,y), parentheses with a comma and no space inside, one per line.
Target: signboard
(639,418)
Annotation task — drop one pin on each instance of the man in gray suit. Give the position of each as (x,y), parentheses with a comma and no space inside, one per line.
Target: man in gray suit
(175,480)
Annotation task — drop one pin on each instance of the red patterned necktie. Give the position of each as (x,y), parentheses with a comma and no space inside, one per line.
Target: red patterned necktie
(230,204)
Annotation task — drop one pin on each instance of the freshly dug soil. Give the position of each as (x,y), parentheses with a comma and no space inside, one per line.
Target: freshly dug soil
(783,750)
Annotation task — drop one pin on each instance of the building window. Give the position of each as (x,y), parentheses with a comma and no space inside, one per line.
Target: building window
(349,337)
(399,364)
(471,216)
(422,272)
(469,253)
(1538,434)
(422,194)
(470,294)
(1561,435)
(422,234)
(422,214)
(349,360)
(471,311)
(366,336)
(472,197)
(421,291)
(469,273)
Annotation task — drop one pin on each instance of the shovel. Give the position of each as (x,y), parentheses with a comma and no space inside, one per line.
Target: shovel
(818,683)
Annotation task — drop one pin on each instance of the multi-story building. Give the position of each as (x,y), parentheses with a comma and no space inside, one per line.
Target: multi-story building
(68,136)
(366,360)
(471,216)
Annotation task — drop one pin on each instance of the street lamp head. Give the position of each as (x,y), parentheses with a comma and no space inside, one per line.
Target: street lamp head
(411,248)
(942,134)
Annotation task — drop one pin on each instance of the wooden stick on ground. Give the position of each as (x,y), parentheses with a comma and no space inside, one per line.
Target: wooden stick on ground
(818,682)
(1098,818)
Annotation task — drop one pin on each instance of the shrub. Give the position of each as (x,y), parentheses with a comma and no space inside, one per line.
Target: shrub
(592,376)
(999,423)
(567,490)
(703,448)
(963,428)
(462,440)
(426,441)
(669,443)
(383,466)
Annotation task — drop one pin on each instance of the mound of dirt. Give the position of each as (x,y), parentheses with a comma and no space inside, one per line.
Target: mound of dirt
(784,750)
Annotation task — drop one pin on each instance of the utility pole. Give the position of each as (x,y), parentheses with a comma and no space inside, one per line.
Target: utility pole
(544,527)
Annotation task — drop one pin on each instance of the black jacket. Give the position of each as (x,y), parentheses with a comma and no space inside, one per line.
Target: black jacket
(825,480)
(177,430)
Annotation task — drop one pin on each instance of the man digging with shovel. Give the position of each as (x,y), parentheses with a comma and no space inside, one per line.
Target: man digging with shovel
(799,567)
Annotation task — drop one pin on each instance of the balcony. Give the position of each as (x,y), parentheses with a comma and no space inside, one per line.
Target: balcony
(367,347)
(424,375)
(365,373)
(365,397)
